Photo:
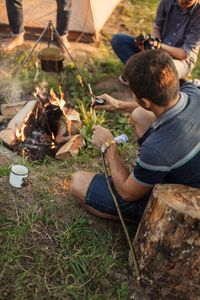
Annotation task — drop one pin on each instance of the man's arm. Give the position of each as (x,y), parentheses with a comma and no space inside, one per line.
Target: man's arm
(156,33)
(124,183)
(113,104)
(173,51)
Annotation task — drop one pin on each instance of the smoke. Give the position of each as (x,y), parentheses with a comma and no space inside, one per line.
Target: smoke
(15,91)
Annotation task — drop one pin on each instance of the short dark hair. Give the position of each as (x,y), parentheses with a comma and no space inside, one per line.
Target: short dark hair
(152,74)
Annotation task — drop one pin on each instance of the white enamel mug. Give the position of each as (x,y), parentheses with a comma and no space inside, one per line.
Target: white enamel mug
(18,176)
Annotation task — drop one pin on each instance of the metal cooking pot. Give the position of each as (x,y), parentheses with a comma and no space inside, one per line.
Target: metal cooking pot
(51,59)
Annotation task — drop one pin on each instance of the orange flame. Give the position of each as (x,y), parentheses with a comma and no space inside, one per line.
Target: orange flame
(54,101)
(53,145)
(52,135)
(20,132)
(61,103)
(36,91)
(53,138)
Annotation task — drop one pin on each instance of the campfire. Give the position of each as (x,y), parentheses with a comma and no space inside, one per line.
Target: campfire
(45,125)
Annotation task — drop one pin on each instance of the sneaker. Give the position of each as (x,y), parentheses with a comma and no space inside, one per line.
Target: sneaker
(123,80)
(197,83)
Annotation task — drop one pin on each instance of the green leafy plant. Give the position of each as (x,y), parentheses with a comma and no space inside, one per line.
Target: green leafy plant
(89,118)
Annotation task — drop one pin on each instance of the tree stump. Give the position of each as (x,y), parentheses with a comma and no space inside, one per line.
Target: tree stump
(167,243)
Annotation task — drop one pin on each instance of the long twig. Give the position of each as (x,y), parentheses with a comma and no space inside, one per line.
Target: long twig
(117,206)
(121,219)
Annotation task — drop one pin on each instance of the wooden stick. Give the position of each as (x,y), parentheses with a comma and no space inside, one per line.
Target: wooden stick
(118,208)
(122,220)
(93,110)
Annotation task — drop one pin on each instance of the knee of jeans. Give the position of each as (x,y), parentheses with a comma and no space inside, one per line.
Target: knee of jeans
(115,40)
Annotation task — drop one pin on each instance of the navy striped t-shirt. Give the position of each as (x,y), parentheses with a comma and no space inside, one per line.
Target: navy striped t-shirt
(170,151)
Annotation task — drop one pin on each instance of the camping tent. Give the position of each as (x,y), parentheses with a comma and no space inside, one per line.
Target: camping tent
(87,18)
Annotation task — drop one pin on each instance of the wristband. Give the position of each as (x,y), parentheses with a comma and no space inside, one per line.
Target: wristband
(106,145)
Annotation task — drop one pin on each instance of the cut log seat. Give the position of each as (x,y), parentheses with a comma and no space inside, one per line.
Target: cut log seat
(167,243)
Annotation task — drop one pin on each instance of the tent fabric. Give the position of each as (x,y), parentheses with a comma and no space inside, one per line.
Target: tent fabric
(88,16)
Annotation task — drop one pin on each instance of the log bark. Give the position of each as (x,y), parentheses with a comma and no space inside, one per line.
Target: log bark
(71,148)
(10,110)
(3,119)
(74,117)
(63,134)
(8,135)
(167,243)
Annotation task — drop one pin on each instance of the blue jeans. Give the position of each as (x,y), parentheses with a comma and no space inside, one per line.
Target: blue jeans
(99,197)
(15,16)
(124,46)
(63,16)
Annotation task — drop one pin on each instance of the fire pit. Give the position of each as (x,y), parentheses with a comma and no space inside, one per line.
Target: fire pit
(44,126)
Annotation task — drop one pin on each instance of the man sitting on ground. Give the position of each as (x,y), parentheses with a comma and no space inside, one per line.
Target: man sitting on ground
(177,26)
(167,128)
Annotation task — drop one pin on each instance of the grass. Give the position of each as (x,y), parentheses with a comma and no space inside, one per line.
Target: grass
(69,262)
(51,248)
(50,251)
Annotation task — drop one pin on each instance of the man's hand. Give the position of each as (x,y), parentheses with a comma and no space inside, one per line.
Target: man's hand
(111,103)
(156,44)
(101,135)
(123,180)
(141,47)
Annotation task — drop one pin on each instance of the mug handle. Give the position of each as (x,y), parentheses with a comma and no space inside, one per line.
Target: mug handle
(25,181)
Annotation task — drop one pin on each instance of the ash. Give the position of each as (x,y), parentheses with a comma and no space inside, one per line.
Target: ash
(37,146)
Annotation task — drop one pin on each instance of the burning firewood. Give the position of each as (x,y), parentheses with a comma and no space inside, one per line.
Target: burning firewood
(71,148)
(42,126)
(8,135)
